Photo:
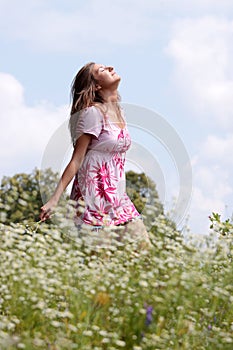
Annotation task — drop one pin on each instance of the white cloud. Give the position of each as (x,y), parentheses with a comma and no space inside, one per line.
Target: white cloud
(212,182)
(93,26)
(212,179)
(201,208)
(202,53)
(212,192)
(202,50)
(219,149)
(25,129)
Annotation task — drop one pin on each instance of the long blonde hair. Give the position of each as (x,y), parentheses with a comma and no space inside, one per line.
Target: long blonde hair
(84,94)
(83,89)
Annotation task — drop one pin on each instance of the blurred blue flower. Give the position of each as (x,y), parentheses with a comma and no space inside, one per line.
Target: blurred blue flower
(149,317)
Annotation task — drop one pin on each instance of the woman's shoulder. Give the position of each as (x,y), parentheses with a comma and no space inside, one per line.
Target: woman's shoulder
(95,109)
(100,108)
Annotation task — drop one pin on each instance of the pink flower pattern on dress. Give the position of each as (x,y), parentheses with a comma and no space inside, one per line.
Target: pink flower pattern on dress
(105,192)
(120,162)
(100,181)
(105,175)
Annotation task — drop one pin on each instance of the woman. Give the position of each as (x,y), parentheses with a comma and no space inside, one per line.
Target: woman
(100,138)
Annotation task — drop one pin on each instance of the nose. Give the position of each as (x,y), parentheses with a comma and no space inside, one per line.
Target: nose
(110,69)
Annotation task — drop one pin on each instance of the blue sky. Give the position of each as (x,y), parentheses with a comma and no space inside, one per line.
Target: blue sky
(174,57)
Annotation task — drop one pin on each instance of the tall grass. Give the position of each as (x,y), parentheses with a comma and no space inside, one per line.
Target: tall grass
(58,293)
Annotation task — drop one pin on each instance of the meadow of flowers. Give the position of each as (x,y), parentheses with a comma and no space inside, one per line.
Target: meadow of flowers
(58,292)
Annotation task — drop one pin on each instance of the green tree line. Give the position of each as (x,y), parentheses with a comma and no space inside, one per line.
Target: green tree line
(22,195)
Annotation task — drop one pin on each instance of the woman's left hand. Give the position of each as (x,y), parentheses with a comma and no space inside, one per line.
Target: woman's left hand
(46,210)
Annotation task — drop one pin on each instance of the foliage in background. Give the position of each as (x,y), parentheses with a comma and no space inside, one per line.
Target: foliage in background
(142,190)
(223,227)
(21,195)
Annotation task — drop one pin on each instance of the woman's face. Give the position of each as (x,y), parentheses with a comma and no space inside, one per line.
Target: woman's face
(106,76)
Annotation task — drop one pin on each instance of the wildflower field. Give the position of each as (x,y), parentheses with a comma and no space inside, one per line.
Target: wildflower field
(58,293)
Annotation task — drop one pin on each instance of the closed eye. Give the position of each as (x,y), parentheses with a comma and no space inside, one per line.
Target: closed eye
(102,69)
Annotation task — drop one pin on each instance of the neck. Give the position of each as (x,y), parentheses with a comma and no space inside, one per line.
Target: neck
(110,95)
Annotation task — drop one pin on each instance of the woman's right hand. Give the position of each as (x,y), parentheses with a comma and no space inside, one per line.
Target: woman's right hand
(46,210)
(68,174)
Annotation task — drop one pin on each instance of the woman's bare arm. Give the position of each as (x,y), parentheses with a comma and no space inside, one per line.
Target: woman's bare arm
(68,174)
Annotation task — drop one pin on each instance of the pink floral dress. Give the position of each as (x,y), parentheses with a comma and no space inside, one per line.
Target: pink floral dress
(100,181)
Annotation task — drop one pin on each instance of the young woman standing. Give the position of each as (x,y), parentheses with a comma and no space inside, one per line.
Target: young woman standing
(100,138)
